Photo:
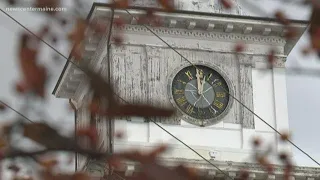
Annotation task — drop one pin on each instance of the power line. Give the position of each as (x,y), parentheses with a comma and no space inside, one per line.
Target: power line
(225,90)
(182,57)
(116,95)
(16,111)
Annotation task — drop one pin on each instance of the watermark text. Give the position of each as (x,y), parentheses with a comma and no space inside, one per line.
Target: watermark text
(39,9)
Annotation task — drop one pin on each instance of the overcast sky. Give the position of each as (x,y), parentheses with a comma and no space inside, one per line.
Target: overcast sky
(303,91)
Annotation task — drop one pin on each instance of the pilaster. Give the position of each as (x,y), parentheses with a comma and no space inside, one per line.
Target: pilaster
(281,106)
(246,92)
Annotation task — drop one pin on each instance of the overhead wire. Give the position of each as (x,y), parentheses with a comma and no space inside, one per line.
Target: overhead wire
(114,94)
(242,104)
(187,61)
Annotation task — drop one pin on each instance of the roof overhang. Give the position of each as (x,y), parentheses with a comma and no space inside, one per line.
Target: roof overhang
(255,26)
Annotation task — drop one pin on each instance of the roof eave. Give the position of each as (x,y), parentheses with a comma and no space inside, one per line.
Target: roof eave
(97,4)
(70,56)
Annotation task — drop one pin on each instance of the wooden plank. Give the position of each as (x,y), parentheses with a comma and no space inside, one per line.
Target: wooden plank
(246,96)
(161,62)
(128,73)
(136,82)
(155,86)
(116,71)
(81,123)
(140,74)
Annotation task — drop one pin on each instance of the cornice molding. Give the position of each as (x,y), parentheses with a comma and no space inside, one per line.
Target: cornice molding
(204,35)
(227,166)
(245,58)
(212,23)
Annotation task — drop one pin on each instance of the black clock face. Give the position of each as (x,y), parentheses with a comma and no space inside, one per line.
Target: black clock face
(201,93)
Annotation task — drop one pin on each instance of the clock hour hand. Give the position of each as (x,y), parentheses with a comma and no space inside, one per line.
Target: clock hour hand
(202,84)
(199,76)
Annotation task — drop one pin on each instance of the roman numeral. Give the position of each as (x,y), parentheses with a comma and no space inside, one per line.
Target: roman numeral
(189,109)
(178,91)
(188,73)
(208,78)
(218,104)
(181,101)
(220,94)
(215,83)
(181,81)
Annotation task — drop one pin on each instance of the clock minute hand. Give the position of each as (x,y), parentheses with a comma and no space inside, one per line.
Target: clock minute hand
(198,81)
(202,84)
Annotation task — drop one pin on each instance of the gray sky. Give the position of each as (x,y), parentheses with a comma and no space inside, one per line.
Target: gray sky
(303,91)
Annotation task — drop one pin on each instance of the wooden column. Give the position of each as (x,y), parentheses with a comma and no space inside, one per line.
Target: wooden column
(246,92)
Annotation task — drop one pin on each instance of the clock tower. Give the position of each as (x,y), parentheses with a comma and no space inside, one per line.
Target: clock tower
(188,63)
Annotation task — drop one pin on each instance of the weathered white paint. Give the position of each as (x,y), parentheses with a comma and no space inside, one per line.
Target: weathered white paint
(141,128)
(150,63)
(234,168)
(140,70)
(247,135)
(82,121)
(203,24)
(180,152)
(263,98)
(222,136)
(219,124)
(281,106)
(202,43)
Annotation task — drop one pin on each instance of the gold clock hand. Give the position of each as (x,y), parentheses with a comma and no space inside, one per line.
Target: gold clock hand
(202,83)
(198,81)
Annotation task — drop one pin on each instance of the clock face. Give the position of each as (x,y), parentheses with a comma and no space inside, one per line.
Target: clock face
(200,93)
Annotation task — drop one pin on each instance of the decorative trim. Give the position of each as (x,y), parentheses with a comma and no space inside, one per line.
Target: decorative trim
(279,62)
(245,59)
(256,170)
(234,166)
(196,5)
(198,34)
